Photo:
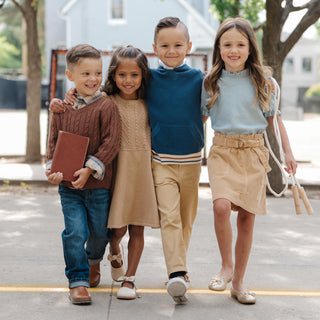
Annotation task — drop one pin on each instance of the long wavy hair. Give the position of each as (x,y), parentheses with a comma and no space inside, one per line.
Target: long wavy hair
(110,86)
(258,72)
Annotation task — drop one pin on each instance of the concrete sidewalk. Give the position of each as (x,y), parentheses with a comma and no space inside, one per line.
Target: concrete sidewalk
(304,137)
(283,268)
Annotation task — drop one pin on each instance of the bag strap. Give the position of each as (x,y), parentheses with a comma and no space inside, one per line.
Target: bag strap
(279,142)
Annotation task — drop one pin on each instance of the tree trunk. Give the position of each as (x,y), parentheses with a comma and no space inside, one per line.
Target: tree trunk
(275,52)
(34,73)
(271,55)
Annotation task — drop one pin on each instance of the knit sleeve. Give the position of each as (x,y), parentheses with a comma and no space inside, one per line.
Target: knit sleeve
(110,124)
(53,135)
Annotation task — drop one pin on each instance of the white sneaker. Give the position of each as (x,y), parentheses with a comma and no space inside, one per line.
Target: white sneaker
(177,288)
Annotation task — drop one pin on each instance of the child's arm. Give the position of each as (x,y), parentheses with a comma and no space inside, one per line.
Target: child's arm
(83,175)
(110,132)
(58,106)
(289,158)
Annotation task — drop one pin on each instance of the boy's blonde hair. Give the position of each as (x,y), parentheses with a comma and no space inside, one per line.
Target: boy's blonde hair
(80,51)
(258,72)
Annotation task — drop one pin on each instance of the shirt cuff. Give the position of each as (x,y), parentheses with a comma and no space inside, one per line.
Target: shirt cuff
(96,165)
(49,165)
(271,111)
(205,99)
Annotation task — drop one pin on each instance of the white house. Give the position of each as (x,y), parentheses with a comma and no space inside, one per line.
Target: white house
(301,69)
(108,24)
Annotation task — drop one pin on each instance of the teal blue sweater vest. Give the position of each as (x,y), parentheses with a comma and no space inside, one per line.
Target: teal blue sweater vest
(174,104)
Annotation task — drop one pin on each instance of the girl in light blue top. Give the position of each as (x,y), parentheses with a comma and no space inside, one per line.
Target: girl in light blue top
(239,102)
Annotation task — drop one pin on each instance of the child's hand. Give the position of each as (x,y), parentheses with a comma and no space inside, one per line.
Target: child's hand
(291,164)
(54,178)
(70,98)
(83,175)
(57,106)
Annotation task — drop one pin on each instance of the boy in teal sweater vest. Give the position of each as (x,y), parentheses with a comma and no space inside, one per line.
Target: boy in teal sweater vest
(173,101)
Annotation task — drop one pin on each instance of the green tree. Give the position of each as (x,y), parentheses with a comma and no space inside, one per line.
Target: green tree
(11,38)
(317,25)
(248,9)
(9,55)
(274,49)
(14,31)
(29,10)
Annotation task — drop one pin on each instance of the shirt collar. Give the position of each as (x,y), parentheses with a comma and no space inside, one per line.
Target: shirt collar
(84,101)
(161,63)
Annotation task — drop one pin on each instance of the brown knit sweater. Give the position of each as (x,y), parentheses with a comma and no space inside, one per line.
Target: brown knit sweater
(100,121)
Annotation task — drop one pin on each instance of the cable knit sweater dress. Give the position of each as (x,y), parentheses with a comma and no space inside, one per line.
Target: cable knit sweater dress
(133,201)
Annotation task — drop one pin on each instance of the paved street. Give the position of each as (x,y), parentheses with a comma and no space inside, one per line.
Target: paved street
(283,269)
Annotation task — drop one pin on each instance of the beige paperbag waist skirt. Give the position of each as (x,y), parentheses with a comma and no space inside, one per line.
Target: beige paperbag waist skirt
(237,168)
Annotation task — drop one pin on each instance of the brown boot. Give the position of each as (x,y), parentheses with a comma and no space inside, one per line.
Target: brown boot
(94,277)
(80,295)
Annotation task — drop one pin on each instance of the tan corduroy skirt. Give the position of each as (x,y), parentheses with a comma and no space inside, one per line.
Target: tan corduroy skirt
(237,167)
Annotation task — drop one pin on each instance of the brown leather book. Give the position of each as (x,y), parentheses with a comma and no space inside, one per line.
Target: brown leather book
(69,154)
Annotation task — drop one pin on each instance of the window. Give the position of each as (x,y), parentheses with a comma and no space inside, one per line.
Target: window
(117,11)
(306,64)
(288,65)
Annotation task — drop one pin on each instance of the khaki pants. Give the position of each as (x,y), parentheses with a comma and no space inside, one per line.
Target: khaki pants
(177,195)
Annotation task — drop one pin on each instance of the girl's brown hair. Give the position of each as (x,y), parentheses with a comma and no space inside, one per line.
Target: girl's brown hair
(131,52)
(258,72)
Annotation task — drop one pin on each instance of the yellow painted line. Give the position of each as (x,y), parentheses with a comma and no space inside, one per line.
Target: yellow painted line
(161,291)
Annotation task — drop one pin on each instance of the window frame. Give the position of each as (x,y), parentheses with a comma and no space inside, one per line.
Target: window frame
(309,61)
(117,21)
(289,68)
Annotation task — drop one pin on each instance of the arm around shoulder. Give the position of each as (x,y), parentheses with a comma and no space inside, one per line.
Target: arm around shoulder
(110,132)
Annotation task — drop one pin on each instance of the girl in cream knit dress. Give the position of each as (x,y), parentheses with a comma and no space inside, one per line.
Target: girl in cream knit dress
(133,204)
(133,200)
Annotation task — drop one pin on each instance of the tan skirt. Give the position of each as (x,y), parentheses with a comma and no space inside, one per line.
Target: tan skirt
(237,167)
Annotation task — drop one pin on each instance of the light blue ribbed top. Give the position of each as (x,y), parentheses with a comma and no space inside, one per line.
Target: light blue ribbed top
(234,111)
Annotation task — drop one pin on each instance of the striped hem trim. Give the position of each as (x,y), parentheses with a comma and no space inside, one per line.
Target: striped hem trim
(177,159)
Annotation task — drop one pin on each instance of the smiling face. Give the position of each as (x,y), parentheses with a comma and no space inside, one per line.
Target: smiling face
(86,75)
(234,50)
(128,77)
(171,46)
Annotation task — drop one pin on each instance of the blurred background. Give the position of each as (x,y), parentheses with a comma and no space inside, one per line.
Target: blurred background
(35,34)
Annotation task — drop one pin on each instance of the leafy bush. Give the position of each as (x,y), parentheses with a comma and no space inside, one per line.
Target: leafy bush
(9,55)
(313,91)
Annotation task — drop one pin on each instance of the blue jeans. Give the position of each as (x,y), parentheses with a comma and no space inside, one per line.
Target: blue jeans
(86,234)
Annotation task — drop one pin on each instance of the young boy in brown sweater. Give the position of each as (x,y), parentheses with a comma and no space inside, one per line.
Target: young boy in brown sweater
(85,201)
